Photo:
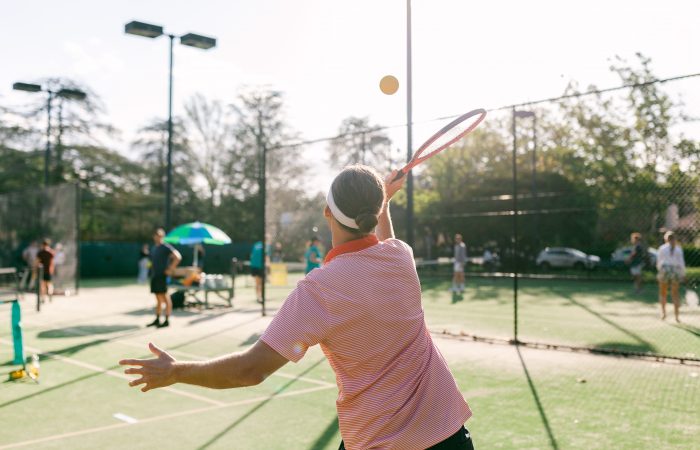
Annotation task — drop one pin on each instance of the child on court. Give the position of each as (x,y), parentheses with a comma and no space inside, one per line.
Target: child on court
(460,257)
(363,307)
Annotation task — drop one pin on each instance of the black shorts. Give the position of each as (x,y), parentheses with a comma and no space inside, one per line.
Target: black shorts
(461,440)
(46,276)
(256,271)
(159,284)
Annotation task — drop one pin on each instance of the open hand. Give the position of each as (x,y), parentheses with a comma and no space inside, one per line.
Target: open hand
(391,186)
(155,373)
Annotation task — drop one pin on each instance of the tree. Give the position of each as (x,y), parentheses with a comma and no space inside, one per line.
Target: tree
(210,128)
(262,123)
(358,142)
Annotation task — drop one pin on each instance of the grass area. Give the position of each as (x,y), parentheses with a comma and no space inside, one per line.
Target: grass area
(581,313)
(522,398)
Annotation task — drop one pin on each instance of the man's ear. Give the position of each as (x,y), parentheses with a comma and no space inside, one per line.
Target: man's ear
(327,212)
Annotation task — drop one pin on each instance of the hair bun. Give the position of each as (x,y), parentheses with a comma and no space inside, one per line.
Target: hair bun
(366,221)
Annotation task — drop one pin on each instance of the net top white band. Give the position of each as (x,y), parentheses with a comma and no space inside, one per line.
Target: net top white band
(338,214)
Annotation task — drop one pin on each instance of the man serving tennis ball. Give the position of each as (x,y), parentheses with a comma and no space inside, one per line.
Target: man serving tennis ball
(395,389)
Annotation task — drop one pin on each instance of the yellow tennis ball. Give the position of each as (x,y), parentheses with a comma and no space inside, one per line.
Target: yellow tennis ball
(389,84)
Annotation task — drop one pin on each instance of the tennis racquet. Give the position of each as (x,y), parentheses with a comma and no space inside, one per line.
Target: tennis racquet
(448,135)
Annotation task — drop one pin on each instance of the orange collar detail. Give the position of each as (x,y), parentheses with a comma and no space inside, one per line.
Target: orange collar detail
(352,246)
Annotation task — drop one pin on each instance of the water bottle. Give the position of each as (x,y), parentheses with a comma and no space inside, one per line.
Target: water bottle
(34,369)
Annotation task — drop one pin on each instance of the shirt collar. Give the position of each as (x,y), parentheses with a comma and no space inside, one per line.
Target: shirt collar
(352,246)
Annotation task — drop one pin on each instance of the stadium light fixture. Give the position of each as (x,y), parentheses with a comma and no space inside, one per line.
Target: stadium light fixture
(191,40)
(198,41)
(27,87)
(143,29)
(73,94)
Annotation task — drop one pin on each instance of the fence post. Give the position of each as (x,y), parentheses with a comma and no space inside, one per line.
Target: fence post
(515,232)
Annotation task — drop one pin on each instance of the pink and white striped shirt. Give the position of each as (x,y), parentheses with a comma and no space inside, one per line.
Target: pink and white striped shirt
(364,308)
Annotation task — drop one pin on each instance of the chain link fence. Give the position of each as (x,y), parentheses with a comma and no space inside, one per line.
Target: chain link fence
(30,216)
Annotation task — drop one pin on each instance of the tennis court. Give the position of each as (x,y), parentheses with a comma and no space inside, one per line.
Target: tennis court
(521,397)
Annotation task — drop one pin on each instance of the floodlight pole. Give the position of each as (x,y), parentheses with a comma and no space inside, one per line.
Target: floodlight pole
(409,129)
(515,230)
(190,39)
(169,170)
(262,154)
(47,153)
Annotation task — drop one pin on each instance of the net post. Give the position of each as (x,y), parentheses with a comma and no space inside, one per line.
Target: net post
(17,342)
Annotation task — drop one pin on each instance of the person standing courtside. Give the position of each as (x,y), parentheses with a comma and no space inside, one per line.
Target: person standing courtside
(259,262)
(460,256)
(670,265)
(46,259)
(636,260)
(164,259)
(313,255)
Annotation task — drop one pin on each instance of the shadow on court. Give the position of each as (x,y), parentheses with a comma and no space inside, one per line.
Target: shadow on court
(540,408)
(56,387)
(689,328)
(624,347)
(84,330)
(641,342)
(252,411)
(215,333)
(325,437)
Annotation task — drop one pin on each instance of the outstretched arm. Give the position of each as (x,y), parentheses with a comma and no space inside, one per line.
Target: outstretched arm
(236,370)
(385,230)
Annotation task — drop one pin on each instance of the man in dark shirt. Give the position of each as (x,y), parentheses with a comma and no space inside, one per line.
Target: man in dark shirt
(164,259)
(45,260)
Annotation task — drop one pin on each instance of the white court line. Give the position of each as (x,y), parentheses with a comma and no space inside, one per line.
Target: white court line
(200,358)
(112,373)
(159,418)
(193,356)
(124,418)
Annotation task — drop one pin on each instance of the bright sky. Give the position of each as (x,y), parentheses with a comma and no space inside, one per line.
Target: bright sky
(328,56)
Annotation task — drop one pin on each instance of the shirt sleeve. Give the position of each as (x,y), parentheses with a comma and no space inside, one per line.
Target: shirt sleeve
(302,322)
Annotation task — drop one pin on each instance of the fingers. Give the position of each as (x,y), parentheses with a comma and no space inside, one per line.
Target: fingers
(155,350)
(137,381)
(133,362)
(133,371)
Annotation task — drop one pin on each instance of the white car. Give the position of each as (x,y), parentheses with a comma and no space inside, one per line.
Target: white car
(565,257)
(619,256)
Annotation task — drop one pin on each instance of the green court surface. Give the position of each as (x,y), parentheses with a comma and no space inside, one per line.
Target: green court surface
(522,398)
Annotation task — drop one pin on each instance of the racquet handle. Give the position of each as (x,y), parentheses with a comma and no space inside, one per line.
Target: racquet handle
(399,175)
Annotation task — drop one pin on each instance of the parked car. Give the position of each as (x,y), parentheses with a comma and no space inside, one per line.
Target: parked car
(565,257)
(619,257)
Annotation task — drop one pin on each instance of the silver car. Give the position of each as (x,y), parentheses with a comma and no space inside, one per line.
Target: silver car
(565,257)
(619,256)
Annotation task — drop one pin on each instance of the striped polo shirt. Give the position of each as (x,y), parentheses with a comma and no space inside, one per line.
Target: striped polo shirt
(363,307)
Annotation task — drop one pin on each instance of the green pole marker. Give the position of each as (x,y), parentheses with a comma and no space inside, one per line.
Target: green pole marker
(17,333)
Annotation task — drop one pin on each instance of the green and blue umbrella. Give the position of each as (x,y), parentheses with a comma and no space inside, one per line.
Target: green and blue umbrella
(197,233)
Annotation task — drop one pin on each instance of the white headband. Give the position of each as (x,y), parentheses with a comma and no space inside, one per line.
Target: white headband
(338,214)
